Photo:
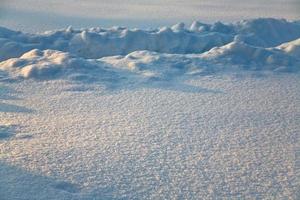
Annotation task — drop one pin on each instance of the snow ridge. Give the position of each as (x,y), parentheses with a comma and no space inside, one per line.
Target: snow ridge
(259,44)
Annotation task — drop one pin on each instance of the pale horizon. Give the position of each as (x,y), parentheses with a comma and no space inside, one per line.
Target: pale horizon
(37,15)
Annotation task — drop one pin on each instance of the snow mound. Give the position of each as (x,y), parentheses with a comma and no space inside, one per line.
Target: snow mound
(90,44)
(292,48)
(231,57)
(51,64)
(152,54)
(97,42)
(251,57)
(267,32)
(45,64)
(200,37)
(146,65)
(158,66)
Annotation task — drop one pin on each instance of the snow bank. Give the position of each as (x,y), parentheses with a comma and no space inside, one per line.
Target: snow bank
(50,64)
(259,44)
(98,42)
(146,65)
(267,32)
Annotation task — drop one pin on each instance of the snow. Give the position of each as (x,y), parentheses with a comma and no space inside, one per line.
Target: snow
(225,136)
(232,46)
(98,42)
(292,48)
(211,111)
(257,58)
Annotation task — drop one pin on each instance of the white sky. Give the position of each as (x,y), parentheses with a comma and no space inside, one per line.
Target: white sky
(39,15)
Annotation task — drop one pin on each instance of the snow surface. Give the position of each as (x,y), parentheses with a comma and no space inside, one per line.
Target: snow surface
(209,112)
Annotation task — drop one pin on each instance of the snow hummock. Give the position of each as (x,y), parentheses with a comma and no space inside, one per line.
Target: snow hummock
(291,48)
(260,44)
(251,57)
(37,63)
(201,48)
(46,64)
(98,42)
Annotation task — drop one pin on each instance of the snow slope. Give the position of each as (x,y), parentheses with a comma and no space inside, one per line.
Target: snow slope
(210,112)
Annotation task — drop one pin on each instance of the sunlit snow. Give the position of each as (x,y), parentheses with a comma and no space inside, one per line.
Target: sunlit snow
(207,111)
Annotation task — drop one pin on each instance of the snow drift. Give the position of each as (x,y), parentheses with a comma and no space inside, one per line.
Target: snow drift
(51,64)
(250,57)
(292,48)
(260,44)
(37,63)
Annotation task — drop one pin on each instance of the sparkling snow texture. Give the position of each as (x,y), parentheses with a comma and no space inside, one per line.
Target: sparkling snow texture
(206,112)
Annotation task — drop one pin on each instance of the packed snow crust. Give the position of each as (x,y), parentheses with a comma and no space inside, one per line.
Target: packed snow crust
(231,136)
(204,112)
